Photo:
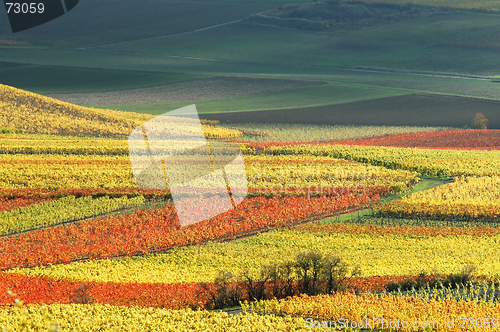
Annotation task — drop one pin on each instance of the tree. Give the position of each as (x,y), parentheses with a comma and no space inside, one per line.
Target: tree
(308,266)
(336,274)
(479,121)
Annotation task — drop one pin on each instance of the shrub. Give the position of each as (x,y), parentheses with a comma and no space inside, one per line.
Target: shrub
(81,295)
(392,286)
(308,266)
(281,279)
(4,130)
(479,121)
(423,280)
(254,284)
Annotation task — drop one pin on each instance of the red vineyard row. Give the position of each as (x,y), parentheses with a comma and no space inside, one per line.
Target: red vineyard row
(146,231)
(37,289)
(471,139)
(454,139)
(12,204)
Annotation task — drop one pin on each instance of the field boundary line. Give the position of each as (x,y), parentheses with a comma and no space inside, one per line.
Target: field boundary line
(416,72)
(162,36)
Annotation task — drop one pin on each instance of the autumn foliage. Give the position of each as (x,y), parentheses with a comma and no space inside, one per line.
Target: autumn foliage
(147,231)
(37,114)
(39,289)
(449,139)
(479,121)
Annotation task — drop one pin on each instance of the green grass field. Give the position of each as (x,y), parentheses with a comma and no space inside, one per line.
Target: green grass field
(95,22)
(460,43)
(58,79)
(484,5)
(443,43)
(98,60)
(457,43)
(421,110)
(332,93)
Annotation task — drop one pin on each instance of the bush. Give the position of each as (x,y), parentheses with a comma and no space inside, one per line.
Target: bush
(281,280)
(479,121)
(336,274)
(392,286)
(254,284)
(461,278)
(10,131)
(81,295)
(308,266)
(422,281)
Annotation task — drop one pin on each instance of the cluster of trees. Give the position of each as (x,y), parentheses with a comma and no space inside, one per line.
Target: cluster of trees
(311,272)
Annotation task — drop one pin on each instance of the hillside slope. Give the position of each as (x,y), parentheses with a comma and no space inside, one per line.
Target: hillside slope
(37,114)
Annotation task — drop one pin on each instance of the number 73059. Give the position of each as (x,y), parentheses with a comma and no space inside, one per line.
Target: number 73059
(479,323)
(25,8)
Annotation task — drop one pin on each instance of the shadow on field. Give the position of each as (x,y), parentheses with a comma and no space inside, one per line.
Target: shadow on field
(408,110)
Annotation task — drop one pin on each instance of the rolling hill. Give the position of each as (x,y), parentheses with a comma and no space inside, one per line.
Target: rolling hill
(35,114)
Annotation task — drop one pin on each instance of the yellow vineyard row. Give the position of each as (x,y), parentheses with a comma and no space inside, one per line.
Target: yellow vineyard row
(386,313)
(57,211)
(377,255)
(34,113)
(65,146)
(272,172)
(55,172)
(469,198)
(94,171)
(96,317)
(430,162)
